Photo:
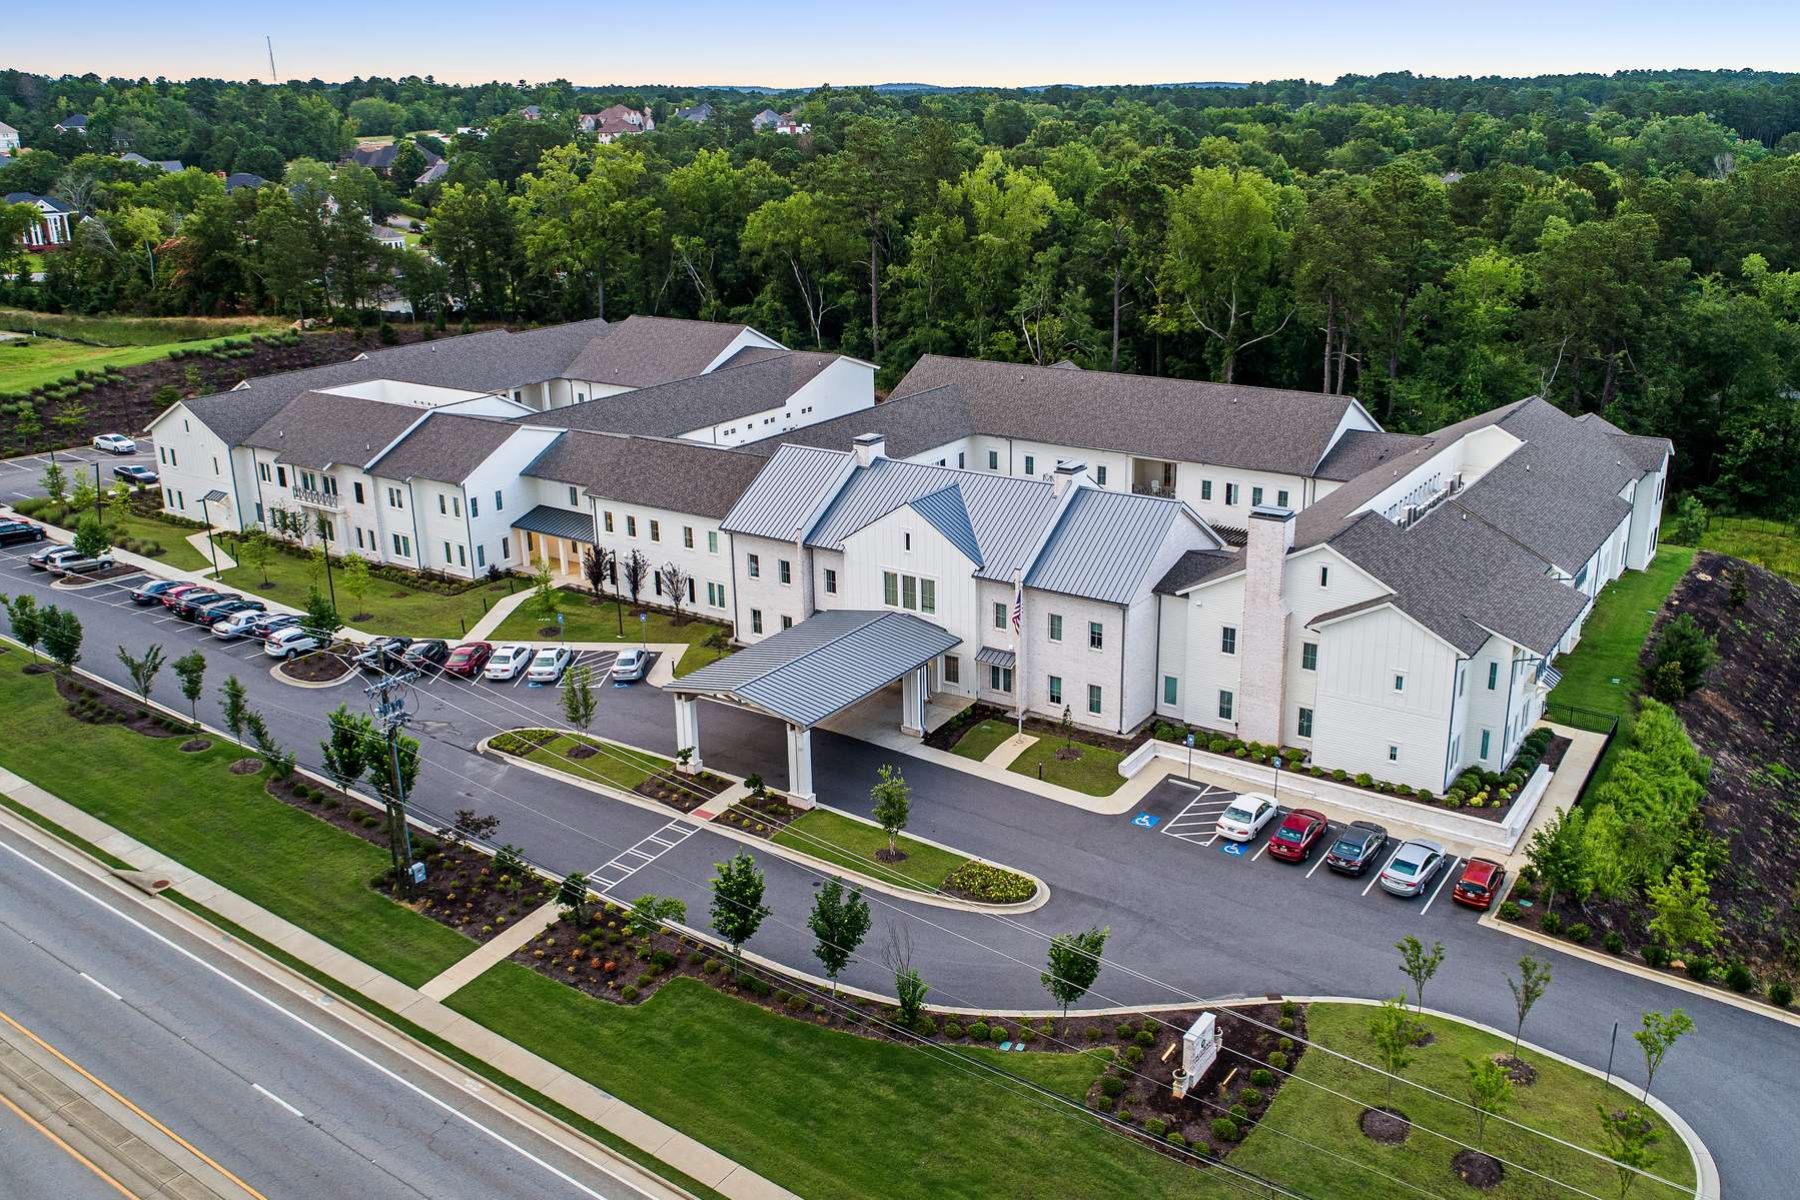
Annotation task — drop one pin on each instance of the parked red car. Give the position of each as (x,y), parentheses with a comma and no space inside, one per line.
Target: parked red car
(468,659)
(1482,880)
(1299,831)
(175,593)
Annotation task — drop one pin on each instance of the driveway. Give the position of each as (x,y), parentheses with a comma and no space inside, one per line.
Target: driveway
(1187,919)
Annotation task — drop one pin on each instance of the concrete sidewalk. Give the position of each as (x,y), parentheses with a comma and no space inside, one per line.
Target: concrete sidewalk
(666,1143)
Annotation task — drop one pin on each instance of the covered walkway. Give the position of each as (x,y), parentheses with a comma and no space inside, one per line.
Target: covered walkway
(813,671)
(556,538)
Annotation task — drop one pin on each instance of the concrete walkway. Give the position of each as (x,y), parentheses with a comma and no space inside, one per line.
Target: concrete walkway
(1004,754)
(496,950)
(199,542)
(500,610)
(663,1141)
(1585,749)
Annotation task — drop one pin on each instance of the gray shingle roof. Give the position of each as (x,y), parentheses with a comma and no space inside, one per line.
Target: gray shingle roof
(1007,515)
(317,429)
(643,351)
(1197,566)
(446,447)
(911,426)
(1103,544)
(558,522)
(688,477)
(822,665)
(243,179)
(787,493)
(1228,425)
(1360,450)
(495,360)
(670,409)
(52,202)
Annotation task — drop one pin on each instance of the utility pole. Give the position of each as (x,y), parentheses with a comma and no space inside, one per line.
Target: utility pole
(389,700)
(274,79)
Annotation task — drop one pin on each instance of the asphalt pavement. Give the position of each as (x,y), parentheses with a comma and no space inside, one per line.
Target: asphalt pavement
(21,477)
(274,1088)
(1188,920)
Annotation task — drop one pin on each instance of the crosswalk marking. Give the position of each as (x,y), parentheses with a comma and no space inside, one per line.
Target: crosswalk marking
(622,866)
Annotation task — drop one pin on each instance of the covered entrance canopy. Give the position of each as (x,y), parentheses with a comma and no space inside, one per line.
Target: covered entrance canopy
(814,670)
(557,531)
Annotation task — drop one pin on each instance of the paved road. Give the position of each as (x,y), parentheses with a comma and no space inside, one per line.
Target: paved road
(20,477)
(278,1091)
(1187,920)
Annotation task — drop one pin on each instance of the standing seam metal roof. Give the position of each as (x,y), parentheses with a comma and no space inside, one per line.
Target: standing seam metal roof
(786,493)
(558,522)
(944,509)
(1103,544)
(822,665)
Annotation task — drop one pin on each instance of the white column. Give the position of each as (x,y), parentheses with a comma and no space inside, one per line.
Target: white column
(912,703)
(800,773)
(687,729)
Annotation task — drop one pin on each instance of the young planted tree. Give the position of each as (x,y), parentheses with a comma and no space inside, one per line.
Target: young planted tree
(1680,658)
(1660,1033)
(344,751)
(27,622)
(353,577)
(232,699)
(1393,1032)
(893,804)
(649,913)
(636,568)
(91,537)
(1419,964)
(143,670)
(279,759)
(1628,1135)
(380,762)
(1074,964)
(675,586)
(909,986)
(55,483)
(1684,913)
(840,921)
(190,668)
(593,569)
(1558,853)
(1489,1091)
(61,633)
(255,549)
(572,897)
(1527,990)
(737,907)
(543,594)
(471,826)
(321,620)
(578,699)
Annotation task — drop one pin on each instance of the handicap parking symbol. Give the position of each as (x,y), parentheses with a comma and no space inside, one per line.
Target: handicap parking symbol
(1233,848)
(1145,820)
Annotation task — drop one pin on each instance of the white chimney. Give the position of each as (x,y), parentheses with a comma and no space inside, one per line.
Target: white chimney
(1262,657)
(869,447)
(1068,471)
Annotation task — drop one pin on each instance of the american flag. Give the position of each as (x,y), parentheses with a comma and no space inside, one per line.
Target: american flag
(1018,606)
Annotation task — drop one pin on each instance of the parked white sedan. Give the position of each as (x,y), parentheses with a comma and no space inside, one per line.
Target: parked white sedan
(115,443)
(507,661)
(238,624)
(1247,816)
(549,665)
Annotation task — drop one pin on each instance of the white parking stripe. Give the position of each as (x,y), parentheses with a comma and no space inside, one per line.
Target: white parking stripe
(1376,877)
(1259,852)
(1324,840)
(1448,871)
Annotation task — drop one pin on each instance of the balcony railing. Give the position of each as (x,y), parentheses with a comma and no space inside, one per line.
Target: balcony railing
(1153,487)
(318,499)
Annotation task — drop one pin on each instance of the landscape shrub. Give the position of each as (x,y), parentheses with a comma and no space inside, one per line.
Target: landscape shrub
(1656,956)
(1278,1060)
(1262,1077)
(1550,923)
(1027,1034)
(925,1026)
(999,1033)
(1134,1056)
(1225,1129)
(1614,941)
(1250,1097)
(629,992)
(1146,1039)
(1781,993)
(1284,1045)
(979,1031)
(1175,1139)
(952,1030)
(1111,1086)
(1510,911)
(1092,1033)
(994,885)
(1699,968)
(1286,1023)
(1156,1126)
(1240,1114)
(1738,978)
(1124,1030)
(1579,932)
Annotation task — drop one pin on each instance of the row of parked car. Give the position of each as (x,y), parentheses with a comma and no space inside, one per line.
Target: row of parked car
(59,559)
(1409,871)
(471,660)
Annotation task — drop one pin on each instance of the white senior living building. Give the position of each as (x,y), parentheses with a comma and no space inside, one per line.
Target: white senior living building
(1269,564)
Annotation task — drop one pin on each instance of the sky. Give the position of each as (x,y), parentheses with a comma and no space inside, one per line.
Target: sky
(802,43)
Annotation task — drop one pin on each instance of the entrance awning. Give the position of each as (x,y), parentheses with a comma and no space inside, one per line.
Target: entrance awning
(987,656)
(821,666)
(551,521)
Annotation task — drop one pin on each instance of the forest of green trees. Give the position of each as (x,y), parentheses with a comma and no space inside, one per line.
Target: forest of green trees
(1628,244)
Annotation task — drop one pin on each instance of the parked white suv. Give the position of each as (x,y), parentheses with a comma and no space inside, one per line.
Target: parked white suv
(286,643)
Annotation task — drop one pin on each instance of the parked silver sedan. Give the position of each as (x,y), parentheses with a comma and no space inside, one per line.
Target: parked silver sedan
(1412,868)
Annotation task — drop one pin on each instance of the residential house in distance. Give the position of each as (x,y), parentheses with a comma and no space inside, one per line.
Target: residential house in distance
(389,237)
(532,112)
(379,157)
(9,139)
(770,121)
(765,120)
(699,113)
(169,166)
(616,121)
(73,123)
(243,179)
(433,173)
(53,225)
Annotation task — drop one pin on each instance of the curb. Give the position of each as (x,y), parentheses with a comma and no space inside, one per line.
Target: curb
(870,883)
(1641,971)
(275,672)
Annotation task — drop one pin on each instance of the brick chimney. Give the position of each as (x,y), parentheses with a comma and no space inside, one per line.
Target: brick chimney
(869,447)
(1262,684)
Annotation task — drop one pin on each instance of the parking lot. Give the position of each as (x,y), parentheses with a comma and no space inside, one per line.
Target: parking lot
(19,477)
(1189,811)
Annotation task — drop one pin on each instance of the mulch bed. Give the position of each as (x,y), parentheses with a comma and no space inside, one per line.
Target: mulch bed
(1476,1169)
(321,666)
(1388,1126)
(246,766)
(760,816)
(116,571)
(684,793)
(103,706)
(195,745)
(1522,1073)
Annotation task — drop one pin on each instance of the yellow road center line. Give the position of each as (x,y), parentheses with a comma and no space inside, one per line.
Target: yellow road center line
(158,1125)
(71,1151)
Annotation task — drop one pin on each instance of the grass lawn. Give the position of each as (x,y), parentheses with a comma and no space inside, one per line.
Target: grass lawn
(141,527)
(983,738)
(824,1113)
(838,839)
(618,766)
(1560,1103)
(34,362)
(1766,543)
(225,826)
(1602,673)
(395,608)
(136,331)
(587,621)
(1096,772)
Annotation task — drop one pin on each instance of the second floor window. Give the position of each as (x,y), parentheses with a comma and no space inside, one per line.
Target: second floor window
(1228,639)
(753,565)
(1096,635)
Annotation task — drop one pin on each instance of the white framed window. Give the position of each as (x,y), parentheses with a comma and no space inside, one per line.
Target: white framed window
(999,615)
(608,518)
(499,504)
(1226,703)
(1309,656)
(1031,464)
(402,545)
(1100,476)
(1231,494)
(1399,681)
(952,669)
(1206,489)
(999,679)
(687,536)
(394,498)
(890,588)
(1056,627)
(906,541)
(830,581)
(573,501)
(959,460)
(480,556)
(630,525)
(1305,729)
(1493,675)
(474,507)
(994,465)
(784,570)
(1393,753)
(655,530)
(1487,737)
(753,565)
(1056,689)
(712,541)
(1256,494)
(1324,576)
(1094,698)
(787,622)
(756,620)
(1281,497)
(1228,639)
(1171,690)
(1096,635)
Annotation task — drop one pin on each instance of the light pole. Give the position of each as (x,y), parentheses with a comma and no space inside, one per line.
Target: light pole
(212,497)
